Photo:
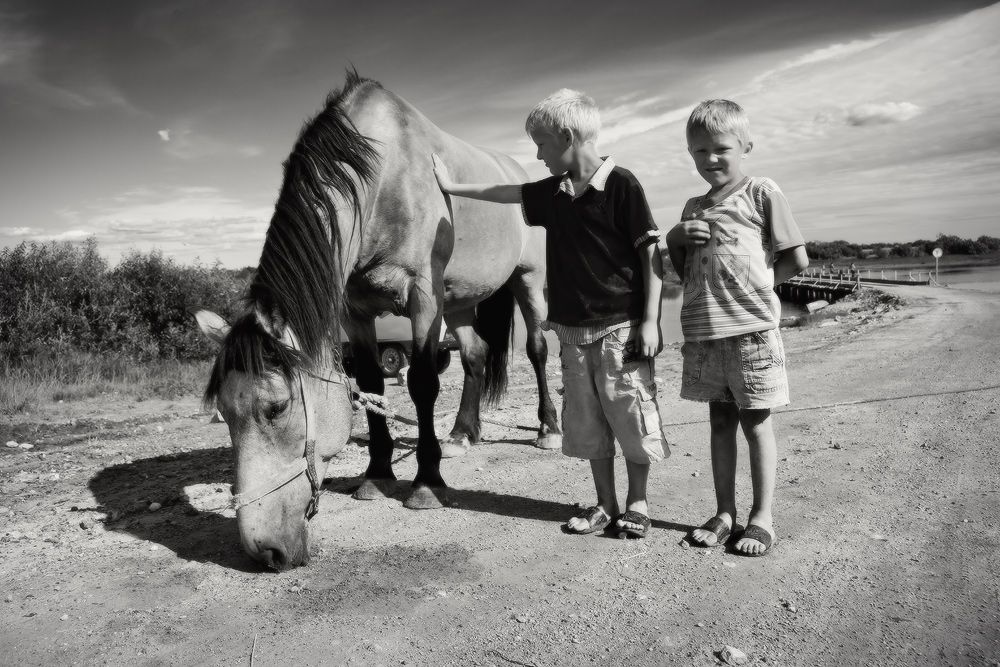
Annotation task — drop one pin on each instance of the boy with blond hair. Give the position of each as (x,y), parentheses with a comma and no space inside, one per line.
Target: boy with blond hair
(604,279)
(733,245)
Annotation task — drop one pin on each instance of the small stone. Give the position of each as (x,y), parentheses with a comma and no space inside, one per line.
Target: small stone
(695,473)
(86,524)
(154,506)
(294,589)
(699,624)
(837,445)
(733,656)
(26,445)
(54,477)
(159,429)
(12,444)
(64,617)
(521,619)
(8,598)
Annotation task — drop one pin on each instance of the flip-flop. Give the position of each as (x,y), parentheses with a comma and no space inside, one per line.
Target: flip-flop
(630,516)
(755,532)
(596,518)
(716,526)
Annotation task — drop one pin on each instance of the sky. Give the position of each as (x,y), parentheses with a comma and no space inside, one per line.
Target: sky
(165,124)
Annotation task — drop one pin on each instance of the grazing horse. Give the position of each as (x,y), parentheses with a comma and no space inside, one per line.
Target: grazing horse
(360,228)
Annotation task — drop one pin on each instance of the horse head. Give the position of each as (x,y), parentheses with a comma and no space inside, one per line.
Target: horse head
(287,417)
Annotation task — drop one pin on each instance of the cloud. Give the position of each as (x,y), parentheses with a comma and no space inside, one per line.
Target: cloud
(823,54)
(164,134)
(19,231)
(883,113)
(24,75)
(183,222)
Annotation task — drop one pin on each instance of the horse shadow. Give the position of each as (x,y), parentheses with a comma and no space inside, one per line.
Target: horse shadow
(124,492)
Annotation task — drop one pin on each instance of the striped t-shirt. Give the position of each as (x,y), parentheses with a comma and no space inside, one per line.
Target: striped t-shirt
(729,281)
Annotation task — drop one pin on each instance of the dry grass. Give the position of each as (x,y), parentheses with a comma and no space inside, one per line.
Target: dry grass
(75,376)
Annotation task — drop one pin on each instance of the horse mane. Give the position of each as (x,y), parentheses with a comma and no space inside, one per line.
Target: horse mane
(298,282)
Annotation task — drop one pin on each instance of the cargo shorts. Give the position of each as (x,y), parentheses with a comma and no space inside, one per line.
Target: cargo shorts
(748,370)
(605,400)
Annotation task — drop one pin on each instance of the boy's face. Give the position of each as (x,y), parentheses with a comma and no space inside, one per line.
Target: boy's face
(718,157)
(553,149)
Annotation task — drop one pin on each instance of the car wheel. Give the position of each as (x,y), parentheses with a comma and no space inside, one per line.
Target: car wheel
(392,359)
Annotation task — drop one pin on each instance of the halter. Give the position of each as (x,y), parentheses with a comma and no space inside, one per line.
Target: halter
(307,464)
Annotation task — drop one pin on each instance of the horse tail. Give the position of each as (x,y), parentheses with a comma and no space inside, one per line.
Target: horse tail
(495,325)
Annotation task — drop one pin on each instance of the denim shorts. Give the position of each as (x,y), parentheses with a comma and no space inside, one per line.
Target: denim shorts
(605,400)
(748,370)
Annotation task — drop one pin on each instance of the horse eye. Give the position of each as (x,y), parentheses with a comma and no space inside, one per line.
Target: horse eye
(274,410)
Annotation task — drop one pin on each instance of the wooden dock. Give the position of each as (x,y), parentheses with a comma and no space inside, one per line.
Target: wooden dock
(806,289)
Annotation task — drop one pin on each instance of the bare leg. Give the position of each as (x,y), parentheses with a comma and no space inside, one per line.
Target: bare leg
(724,418)
(759,432)
(638,475)
(607,500)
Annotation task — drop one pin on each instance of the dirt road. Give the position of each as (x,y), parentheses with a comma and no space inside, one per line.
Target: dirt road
(887,517)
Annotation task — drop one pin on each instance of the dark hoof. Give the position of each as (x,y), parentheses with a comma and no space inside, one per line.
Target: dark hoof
(424,497)
(375,489)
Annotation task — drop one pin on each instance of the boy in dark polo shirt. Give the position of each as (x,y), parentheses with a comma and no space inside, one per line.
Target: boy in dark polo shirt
(604,278)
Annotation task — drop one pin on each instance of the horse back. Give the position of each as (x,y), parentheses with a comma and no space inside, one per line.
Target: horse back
(411,229)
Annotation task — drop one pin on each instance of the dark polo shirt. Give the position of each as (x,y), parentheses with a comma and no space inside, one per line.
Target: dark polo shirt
(592,241)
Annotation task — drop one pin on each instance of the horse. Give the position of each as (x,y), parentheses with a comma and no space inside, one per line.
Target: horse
(361,228)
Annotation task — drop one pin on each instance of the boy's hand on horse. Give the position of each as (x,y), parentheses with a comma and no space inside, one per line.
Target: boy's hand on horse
(441,174)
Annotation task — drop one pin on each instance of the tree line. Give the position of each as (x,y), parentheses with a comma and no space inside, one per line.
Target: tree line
(58,297)
(951,245)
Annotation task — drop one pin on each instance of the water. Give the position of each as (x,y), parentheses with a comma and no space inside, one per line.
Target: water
(980,278)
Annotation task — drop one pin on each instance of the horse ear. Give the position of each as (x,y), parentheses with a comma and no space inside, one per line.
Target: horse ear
(212,325)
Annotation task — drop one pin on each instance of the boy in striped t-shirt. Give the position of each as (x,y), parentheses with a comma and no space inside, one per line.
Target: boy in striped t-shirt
(733,245)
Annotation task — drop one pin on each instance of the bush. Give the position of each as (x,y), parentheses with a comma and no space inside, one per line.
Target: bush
(56,298)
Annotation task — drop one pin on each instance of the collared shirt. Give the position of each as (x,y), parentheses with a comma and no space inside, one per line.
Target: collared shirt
(593,264)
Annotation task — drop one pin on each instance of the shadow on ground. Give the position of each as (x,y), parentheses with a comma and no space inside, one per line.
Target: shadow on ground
(125,491)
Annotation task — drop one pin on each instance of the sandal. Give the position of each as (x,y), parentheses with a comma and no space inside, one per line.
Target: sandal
(755,532)
(716,526)
(630,516)
(597,519)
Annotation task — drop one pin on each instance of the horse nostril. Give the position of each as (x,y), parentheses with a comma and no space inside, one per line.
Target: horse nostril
(274,558)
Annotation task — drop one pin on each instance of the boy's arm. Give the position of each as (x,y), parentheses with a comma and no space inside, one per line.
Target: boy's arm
(500,193)
(650,340)
(790,262)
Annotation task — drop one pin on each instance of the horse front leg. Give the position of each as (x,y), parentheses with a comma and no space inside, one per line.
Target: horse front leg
(473,352)
(379,480)
(429,490)
(530,298)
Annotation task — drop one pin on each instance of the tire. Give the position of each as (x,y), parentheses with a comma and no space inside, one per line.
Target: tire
(443,360)
(391,359)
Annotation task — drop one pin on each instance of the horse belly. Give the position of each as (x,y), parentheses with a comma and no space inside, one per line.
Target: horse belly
(487,248)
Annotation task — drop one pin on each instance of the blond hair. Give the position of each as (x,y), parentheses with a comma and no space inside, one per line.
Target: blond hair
(719,117)
(569,109)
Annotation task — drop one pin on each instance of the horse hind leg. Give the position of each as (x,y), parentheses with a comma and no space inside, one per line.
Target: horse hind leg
(527,288)
(379,480)
(472,350)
